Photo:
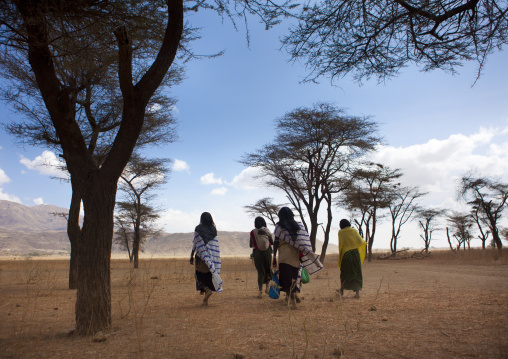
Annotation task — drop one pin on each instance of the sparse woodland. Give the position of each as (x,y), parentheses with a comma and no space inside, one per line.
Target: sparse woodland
(54,53)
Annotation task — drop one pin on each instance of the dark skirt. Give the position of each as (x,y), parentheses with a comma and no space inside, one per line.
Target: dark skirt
(203,281)
(263,262)
(287,278)
(351,271)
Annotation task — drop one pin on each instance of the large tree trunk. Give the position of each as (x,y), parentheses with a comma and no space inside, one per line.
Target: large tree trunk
(74,234)
(93,302)
(135,255)
(313,231)
(497,239)
(393,240)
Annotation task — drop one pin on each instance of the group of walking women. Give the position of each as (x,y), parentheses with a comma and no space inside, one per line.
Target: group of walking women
(291,242)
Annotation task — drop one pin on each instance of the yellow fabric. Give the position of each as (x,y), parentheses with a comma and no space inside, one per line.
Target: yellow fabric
(349,238)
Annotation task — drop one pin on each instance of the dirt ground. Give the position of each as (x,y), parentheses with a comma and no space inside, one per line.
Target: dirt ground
(445,306)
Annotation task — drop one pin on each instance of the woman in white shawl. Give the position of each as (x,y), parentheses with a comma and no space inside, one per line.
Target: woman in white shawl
(207,257)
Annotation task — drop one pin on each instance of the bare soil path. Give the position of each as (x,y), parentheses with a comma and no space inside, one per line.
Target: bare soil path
(439,307)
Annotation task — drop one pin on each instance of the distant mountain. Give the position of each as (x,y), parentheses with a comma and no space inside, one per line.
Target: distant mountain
(180,244)
(17,217)
(36,230)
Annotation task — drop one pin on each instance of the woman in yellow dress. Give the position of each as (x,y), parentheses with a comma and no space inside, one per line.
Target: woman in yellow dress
(351,255)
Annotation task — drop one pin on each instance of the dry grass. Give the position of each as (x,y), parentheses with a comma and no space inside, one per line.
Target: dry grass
(448,305)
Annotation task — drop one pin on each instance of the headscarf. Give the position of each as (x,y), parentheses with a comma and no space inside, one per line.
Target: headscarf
(206,228)
(344,223)
(259,222)
(349,239)
(287,221)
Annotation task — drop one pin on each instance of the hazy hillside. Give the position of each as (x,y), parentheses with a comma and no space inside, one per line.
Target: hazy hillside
(180,244)
(35,230)
(17,217)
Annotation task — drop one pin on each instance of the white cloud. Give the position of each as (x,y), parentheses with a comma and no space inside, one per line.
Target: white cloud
(38,201)
(221,191)
(46,164)
(209,178)
(5,196)
(8,197)
(176,221)
(436,166)
(179,166)
(247,179)
(3,177)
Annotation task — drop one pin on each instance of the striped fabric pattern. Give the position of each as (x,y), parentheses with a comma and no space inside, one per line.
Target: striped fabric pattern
(210,254)
(309,260)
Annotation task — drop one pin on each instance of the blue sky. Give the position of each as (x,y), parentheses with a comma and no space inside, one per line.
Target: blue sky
(436,126)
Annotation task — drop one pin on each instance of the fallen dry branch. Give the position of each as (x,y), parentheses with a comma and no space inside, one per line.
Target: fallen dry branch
(395,255)
(421,255)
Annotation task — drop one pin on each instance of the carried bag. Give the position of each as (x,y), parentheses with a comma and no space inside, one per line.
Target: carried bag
(274,291)
(305,278)
(262,240)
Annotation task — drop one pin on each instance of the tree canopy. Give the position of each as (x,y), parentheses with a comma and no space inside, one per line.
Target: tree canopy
(311,156)
(488,197)
(371,191)
(135,211)
(379,37)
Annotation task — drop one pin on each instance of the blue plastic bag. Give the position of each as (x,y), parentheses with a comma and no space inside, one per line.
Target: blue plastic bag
(274,291)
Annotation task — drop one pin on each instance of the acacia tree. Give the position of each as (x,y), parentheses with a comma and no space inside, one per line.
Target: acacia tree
(310,159)
(52,38)
(99,115)
(370,192)
(427,221)
(357,202)
(123,234)
(461,225)
(379,37)
(33,30)
(96,99)
(481,223)
(402,207)
(138,181)
(504,233)
(490,196)
(265,208)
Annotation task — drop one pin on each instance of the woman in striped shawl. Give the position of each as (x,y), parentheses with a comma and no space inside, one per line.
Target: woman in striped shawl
(207,257)
(295,252)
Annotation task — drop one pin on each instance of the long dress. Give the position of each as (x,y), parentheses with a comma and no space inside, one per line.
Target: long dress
(262,259)
(351,256)
(207,257)
(351,277)
(295,254)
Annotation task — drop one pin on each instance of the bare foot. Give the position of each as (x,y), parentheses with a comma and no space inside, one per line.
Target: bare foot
(208,293)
